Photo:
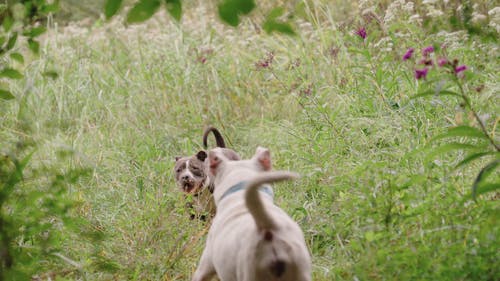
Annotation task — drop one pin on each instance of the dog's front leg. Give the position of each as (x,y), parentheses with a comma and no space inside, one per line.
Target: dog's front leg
(205,270)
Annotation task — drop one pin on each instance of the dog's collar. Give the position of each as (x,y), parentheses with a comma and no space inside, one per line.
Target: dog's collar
(241,185)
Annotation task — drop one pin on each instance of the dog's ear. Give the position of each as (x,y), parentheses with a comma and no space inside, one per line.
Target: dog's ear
(177,158)
(263,156)
(215,158)
(201,155)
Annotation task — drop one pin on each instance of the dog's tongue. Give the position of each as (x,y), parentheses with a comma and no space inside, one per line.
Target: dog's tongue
(188,186)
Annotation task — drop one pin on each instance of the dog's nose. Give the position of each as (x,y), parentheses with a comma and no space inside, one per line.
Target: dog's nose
(185,178)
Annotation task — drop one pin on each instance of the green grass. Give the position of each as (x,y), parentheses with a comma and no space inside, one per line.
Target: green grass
(128,100)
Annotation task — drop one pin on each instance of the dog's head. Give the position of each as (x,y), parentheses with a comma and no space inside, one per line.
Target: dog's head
(218,160)
(191,173)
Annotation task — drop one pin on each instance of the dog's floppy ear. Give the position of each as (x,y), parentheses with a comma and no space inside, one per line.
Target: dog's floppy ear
(201,155)
(177,158)
(263,156)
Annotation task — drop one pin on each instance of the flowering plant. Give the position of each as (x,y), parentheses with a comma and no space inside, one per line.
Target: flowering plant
(454,72)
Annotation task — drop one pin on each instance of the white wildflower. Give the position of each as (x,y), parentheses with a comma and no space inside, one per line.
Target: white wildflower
(495,12)
(477,17)
(452,40)
(495,18)
(415,19)
(408,7)
(434,13)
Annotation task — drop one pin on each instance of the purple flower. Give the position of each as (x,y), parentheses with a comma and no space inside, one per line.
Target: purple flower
(421,73)
(361,32)
(408,54)
(427,50)
(442,62)
(459,69)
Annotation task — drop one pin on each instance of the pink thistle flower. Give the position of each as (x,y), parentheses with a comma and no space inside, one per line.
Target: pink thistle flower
(442,62)
(361,32)
(408,54)
(460,68)
(427,50)
(421,73)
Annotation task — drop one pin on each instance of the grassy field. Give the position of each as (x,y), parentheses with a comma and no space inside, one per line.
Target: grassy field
(373,202)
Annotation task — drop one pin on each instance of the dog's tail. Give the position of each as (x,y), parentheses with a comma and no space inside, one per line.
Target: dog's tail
(218,137)
(253,201)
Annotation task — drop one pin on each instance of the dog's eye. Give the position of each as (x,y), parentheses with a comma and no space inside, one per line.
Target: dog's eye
(179,170)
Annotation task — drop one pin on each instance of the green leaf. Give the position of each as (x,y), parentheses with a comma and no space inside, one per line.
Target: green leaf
(448,147)
(174,8)
(11,73)
(229,10)
(478,185)
(436,93)
(143,11)
(474,156)
(7,23)
(51,73)
(12,41)
(34,46)
(17,57)
(271,24)
(461,131)
(34,32)
(486,187)
(6,95)
(111,7)
(50,8)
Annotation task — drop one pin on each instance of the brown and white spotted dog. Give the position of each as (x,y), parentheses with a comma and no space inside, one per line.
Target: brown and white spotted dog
(192,177)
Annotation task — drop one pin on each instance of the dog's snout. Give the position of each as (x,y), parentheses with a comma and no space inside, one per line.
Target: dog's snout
(185,178)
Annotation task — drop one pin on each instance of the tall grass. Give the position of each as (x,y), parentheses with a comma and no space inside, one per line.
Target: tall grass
(329,105)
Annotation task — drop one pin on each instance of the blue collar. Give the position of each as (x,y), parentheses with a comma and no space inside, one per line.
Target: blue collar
(242,185)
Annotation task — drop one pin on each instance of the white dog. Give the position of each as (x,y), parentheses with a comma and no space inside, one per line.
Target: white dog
(251,239)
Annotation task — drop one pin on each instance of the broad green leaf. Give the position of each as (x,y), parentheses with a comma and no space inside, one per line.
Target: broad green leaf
(7,23)
(111,7)
(271,24)
(12,41)
(461,131)
(436,93)
(474,156)
(229,10)
(174,8)
(229,13)
(276,12)
(285,28)
(11,73)
(34,32)
(143,11)
(448,147)
(482,175)
(17,57)
(34,46)
(244,6)
(6,95)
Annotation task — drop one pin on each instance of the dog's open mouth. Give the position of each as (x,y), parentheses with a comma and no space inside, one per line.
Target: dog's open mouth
(190,187)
